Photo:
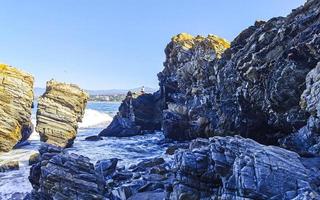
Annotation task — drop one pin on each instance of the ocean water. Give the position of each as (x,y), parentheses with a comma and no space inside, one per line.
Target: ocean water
(15,184)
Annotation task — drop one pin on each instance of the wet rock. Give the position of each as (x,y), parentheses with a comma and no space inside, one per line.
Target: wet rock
(34,158)
(60,109)
(60,175)
(120,127)
(125,191)
(174,147)
(93,138)
(234,168)
(155,195)
(148,163)
(106,167)
(16,96)
(9,166)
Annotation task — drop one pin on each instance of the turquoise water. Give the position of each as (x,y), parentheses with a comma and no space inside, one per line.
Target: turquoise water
(14,185)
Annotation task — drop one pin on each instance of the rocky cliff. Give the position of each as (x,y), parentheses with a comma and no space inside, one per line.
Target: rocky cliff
(60,109)
(187,84)
(16,96)
(252,89)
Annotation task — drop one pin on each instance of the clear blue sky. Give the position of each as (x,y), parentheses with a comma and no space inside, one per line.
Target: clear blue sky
(104,44)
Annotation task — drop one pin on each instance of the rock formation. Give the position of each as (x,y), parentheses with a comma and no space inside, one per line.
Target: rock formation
(186,84)
(238,168)
(137,114)
(60,175)
(60,109)
(252,89)
(307,139)
(16,96)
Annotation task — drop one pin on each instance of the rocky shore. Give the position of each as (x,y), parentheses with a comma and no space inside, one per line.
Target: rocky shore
(60,109)
(240,119)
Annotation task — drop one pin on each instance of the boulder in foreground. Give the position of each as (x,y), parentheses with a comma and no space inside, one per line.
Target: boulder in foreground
(16,96)
(238,168)
(60,109)
(60,175)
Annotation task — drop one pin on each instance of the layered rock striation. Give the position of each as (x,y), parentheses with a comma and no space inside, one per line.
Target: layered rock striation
(252,89)
(60,175)
(307,139)
(60,109)
(238,168)
(16,96)
(186,84)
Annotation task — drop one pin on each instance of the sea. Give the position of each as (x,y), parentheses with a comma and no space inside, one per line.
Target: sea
(14,185)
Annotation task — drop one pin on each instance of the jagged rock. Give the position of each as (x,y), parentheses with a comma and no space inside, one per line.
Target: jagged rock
(120,127)
(60,109)
(144,110)
(16,96)
(60,175)
(307,139)
(137,115)
(238,168)
(182,81)
(106,167)
(252,89)
(9,166)
(34,158)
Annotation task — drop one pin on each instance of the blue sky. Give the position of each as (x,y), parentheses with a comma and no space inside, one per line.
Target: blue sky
(104,44)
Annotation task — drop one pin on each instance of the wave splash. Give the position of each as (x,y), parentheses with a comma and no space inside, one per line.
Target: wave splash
(94,119)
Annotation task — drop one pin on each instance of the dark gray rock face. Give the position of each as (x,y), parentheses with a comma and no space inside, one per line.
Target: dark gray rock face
(238,168)
(137,115)
(60,175)
(121,127)
(145,110)
(307,139)
(253,90)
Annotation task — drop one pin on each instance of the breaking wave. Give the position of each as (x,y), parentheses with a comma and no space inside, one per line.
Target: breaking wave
(95,119)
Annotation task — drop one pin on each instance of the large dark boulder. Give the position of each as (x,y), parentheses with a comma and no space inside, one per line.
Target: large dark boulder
(121,127)
(238,168)
(145,110)
(138,114)
(60,175)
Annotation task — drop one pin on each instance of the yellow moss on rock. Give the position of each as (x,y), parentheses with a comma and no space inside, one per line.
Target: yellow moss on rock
(218,44)
(16,96)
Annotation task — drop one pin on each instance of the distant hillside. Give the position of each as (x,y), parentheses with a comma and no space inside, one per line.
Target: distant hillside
(39,91)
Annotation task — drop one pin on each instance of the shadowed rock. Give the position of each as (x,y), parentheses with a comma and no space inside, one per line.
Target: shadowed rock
(307,139)
(60,109)
(16,96)
(138,114)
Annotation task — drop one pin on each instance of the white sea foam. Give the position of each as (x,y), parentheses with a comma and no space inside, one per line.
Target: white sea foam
(94,118)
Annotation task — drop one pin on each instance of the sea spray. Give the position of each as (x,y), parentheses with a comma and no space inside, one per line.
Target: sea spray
(94,118)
